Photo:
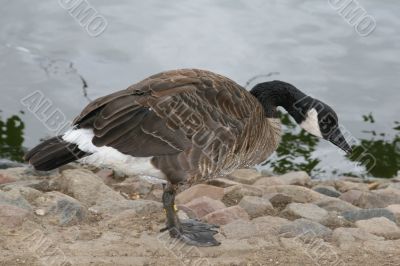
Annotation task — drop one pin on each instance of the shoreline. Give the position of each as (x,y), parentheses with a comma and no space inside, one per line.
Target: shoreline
(96,216)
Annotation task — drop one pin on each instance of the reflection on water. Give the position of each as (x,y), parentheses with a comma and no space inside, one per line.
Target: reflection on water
(379,153)
(11,138)
(295,152)
(44,49)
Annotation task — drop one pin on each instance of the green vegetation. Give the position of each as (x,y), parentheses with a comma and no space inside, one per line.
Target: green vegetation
(11,138)
(295,150)
(380,154)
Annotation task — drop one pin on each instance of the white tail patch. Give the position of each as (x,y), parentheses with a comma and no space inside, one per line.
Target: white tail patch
(310,124)
(108,156)
(81,137)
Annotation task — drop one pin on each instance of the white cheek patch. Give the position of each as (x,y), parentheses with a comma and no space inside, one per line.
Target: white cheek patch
(310,124)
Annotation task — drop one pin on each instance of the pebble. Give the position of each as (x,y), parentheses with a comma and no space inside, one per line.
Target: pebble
(14,197)
(389,247)
(328,191)
(389,195)
(256,206)
(28,193)
(245,204)
(245,176)
(380,226)
(226,216)
(12,215)
(298,193)
(204,205)
(278,200)
(293,178)
(335,220)
(344,186)
(305,210)
(365,214)
(38,184)
(300,178)
(304,228)
(199,190)
(112,207)
(269,181)
(40,212)
(240,229)
(87,187)
(270,224)
(380,198)
(395,209)
(234,194)
(106,175)
(351,196)
(65,209)
(368,200)
(5,179)
(346,237)
(134,187)
(335,204)
(18,173)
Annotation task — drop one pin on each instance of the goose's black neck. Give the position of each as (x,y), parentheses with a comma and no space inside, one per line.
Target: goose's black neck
(277,93)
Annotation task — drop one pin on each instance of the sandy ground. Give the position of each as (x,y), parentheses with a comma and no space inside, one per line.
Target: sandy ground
(132,237)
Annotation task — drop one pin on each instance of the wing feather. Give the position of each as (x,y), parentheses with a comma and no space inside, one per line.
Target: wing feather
(165,113)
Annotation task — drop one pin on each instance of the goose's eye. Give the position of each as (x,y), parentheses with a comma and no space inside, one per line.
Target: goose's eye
(325,120)
(328,120)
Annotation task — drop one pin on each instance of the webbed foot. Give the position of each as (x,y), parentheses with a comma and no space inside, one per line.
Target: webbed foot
(195,233)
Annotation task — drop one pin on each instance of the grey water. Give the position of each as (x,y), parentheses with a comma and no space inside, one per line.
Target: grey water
(307,43)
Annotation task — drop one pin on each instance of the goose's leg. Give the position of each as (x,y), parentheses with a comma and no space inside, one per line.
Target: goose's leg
(190,231)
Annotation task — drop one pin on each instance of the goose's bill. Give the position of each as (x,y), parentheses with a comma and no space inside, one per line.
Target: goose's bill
(337,138)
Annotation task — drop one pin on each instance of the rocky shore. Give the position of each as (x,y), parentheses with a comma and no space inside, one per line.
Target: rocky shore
(82,216)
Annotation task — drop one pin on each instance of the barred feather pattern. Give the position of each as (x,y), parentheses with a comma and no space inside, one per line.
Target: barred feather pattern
(194,123)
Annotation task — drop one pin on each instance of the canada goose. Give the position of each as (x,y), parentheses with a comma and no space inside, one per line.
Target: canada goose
(193,125)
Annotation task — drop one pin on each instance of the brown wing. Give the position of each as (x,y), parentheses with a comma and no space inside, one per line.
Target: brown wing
(166,114)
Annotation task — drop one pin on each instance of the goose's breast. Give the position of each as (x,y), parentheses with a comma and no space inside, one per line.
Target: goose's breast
(261,140)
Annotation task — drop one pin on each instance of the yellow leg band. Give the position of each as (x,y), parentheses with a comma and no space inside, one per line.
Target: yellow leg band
(174,207)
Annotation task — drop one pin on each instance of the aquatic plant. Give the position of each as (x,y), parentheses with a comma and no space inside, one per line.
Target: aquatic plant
(12,138)
(295,152)
(380,152)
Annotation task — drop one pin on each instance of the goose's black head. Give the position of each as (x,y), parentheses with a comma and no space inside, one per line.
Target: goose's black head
(311,114)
